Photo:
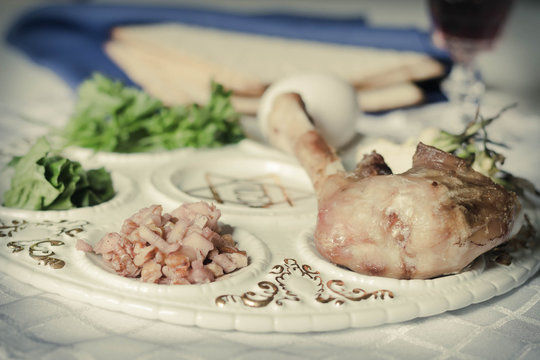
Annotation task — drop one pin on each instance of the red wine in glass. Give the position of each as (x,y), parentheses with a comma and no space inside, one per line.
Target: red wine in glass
(468,26)
(464,28)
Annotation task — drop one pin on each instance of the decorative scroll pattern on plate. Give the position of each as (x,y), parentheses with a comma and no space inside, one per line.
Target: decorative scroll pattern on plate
(290,274)
(39,249)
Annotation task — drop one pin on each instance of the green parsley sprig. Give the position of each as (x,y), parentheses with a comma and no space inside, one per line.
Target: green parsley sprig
(110,116)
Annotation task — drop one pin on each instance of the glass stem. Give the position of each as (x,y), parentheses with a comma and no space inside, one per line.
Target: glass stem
(464,88)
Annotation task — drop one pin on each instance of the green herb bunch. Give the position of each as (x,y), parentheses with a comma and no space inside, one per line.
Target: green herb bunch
(110,116)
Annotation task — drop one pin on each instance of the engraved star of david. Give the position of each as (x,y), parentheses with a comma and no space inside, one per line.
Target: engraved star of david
(262,191)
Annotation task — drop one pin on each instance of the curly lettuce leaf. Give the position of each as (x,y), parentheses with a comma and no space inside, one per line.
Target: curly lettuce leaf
(112,117)
(46,181)
(28,178)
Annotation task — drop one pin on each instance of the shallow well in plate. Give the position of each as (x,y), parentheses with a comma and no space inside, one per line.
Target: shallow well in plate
(238,184)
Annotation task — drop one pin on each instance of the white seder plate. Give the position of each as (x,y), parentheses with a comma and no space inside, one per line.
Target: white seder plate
(268,200)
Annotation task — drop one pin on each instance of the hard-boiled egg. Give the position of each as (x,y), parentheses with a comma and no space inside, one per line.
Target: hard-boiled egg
(330,101)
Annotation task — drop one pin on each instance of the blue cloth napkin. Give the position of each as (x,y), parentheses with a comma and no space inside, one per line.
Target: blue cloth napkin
(69,38)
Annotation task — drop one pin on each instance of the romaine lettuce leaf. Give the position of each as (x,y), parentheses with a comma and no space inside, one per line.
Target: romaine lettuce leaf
(46,181)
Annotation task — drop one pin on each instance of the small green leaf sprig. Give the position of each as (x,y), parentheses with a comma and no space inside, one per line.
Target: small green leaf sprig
(473,145)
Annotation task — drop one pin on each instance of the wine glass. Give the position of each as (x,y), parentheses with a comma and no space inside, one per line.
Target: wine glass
(465,28)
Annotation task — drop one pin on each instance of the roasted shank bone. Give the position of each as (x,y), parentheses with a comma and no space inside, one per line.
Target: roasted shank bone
(431,220)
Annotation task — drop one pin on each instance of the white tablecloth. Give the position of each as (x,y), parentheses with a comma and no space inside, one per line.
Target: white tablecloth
(36,324)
